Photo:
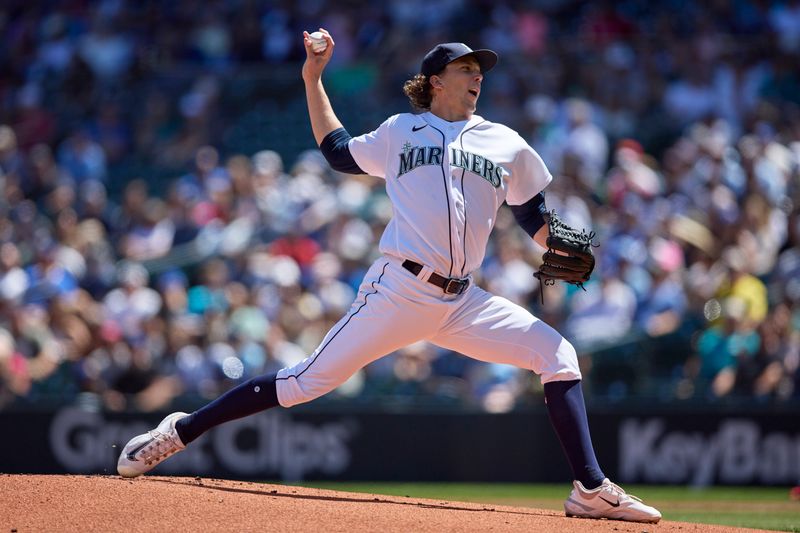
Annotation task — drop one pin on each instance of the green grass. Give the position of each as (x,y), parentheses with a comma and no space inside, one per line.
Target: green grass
(752,507)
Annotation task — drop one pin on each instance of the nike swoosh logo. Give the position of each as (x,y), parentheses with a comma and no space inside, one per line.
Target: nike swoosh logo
(612,504)
(417,128)
(132,454)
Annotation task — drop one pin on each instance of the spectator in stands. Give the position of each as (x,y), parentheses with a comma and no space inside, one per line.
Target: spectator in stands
(720,349)
(604,315)
(82,158)
(690,98)
(13,164)
(743,286)
(13,279)
(663,308)
(108,51)
(586,144)
(33,123)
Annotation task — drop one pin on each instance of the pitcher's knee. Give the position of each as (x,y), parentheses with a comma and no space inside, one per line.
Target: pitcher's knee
(294,389)
(563,366)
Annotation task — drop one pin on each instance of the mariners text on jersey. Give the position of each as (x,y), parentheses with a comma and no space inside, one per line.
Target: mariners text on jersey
(415,156)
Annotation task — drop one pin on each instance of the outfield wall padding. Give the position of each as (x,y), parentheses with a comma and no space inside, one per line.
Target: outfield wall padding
(696,448)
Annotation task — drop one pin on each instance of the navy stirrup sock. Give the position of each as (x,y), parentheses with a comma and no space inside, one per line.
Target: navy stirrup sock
(568,415)
(250,397)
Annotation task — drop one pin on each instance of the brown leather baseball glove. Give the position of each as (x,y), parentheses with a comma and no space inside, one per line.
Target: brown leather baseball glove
(569,254)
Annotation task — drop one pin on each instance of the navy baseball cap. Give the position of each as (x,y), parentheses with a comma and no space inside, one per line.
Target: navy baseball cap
(443,54)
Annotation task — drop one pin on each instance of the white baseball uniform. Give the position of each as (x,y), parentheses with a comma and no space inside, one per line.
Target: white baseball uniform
(446,181)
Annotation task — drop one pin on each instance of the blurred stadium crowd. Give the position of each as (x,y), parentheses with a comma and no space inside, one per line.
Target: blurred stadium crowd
(148,253)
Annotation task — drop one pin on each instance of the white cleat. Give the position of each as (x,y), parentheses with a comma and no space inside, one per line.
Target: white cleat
(143,452)
(608,501)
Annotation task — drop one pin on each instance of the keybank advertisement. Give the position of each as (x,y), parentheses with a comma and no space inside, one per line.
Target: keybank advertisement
(729,451)
(632,447)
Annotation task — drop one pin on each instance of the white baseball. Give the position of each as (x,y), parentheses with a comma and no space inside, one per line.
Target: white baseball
(318,42)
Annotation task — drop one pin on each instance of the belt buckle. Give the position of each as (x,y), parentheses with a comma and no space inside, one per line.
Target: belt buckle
(456,286)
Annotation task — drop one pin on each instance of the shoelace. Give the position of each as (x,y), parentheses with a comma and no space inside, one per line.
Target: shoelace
(161,446)
(620,492)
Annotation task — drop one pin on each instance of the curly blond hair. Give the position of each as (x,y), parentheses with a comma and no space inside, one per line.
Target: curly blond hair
(418,90)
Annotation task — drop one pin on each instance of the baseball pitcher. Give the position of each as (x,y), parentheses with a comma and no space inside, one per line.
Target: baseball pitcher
(447,172)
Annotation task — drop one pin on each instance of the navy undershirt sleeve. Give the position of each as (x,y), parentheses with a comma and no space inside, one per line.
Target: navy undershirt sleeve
(336,150)
(530,215)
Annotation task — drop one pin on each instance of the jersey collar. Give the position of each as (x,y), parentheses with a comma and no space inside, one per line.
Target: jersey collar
(443,124)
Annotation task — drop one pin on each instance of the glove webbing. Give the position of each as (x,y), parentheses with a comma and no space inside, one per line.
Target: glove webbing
(573,234)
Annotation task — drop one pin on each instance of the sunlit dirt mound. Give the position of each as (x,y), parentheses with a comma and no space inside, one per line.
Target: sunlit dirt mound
(111,503)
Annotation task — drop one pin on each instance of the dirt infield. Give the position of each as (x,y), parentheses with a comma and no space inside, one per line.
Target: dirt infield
(111,503)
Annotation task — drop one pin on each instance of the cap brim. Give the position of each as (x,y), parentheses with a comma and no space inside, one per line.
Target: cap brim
(487,59)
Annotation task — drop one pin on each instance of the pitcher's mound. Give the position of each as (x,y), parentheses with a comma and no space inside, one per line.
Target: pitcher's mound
(150,503)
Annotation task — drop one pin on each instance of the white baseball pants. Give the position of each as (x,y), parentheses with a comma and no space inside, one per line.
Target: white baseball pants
(394,308)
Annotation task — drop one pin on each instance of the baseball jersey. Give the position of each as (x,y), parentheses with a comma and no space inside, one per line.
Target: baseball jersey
(446,181)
